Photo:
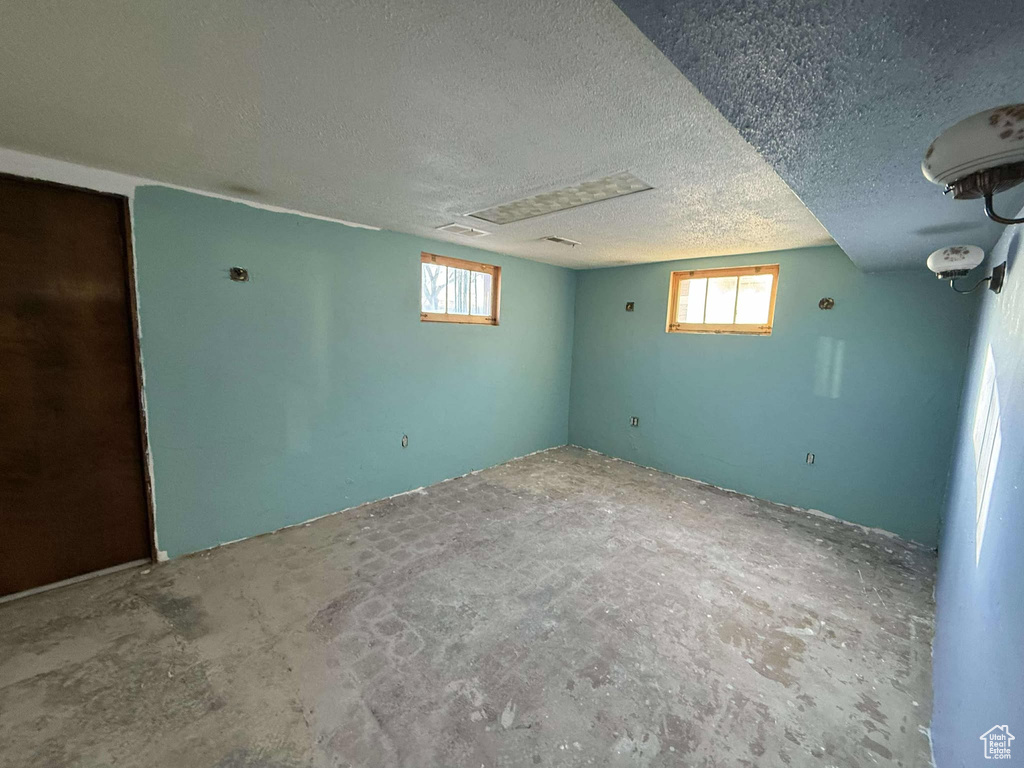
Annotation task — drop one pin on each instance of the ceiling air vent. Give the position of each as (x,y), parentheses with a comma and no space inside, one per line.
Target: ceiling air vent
(616,185)
(458,229)
(562,241)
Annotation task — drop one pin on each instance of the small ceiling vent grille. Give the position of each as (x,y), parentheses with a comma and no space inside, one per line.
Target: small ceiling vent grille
(562,241)
(606,188)
(458,229)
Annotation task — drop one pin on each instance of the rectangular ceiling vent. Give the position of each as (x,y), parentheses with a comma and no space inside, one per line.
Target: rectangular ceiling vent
(458,229)
(562,241)
(616,185)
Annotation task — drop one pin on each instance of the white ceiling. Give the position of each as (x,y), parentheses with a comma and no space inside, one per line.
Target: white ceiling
(400,115)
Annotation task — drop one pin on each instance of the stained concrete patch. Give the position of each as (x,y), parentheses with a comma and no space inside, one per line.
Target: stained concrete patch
(565,609)
(185,614)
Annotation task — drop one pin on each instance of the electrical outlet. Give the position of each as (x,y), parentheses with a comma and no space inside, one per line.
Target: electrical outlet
(634,421)
(810,458)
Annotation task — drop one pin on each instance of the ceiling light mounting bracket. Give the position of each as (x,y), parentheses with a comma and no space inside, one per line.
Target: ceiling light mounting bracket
(987,184)
(995,281)
(995,216)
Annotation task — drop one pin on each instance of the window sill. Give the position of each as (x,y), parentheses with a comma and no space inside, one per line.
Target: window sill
(434,317)
(727,330)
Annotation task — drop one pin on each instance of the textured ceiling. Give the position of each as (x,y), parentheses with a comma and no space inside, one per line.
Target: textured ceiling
(398,114)
(843,97)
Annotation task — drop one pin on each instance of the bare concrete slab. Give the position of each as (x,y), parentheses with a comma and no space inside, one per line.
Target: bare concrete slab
(565,609)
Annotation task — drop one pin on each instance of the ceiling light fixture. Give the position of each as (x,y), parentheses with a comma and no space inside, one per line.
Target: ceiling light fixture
(957,260)
(594,191)
(980,157)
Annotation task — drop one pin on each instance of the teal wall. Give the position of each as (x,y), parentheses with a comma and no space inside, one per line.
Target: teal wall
(286,398)
(870,387)
(978,667)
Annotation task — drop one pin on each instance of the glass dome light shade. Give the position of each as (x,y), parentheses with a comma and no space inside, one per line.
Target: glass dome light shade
(955,260)
(986,140)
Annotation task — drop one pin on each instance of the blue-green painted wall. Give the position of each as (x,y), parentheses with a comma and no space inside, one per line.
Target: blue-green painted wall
(278,400)
(285,398)
(978,666)
(870,387)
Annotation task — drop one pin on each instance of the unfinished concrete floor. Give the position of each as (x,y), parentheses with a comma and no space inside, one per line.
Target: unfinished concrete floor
(561,610)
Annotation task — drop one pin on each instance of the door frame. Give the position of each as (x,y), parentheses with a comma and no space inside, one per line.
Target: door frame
(124,204)
(140,393)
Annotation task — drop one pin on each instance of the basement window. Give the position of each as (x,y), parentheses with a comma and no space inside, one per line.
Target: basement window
(458,291)
(737,300)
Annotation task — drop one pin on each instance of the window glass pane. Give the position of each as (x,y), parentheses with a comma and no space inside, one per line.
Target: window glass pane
(458,291)
(721,301)
(755,296)
(433,288)
(480,294)
(691,301)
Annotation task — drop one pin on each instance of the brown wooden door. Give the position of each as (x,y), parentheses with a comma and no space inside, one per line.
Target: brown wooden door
(72,486)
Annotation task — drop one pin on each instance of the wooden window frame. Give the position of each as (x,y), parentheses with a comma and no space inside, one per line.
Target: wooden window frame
(743,329)
(471,266)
